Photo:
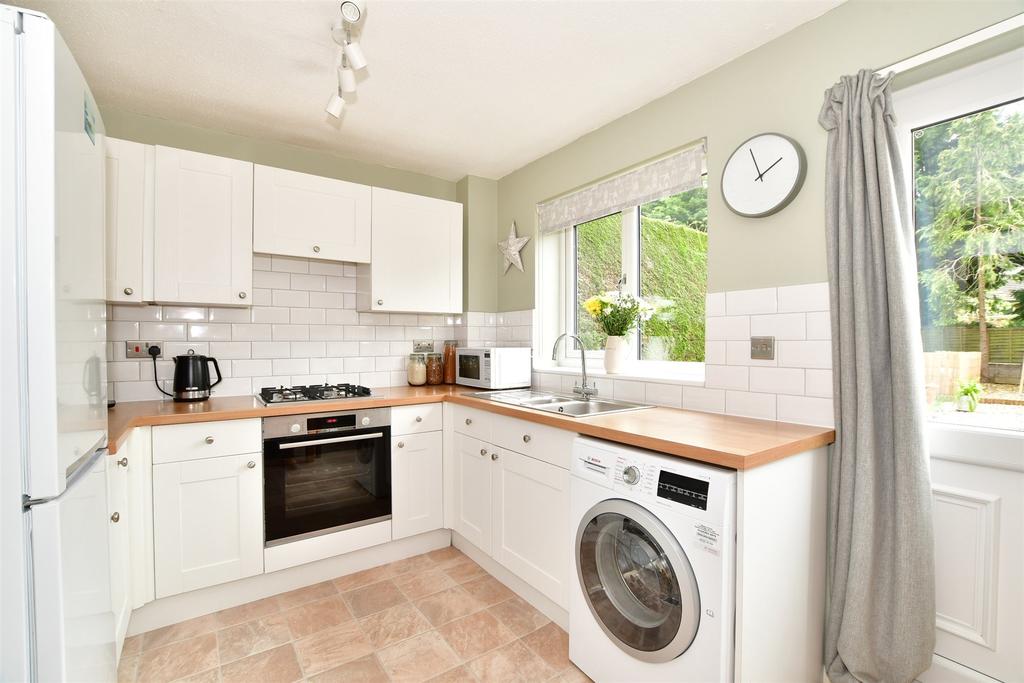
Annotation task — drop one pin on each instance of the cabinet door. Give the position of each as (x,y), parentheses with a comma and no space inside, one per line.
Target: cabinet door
(129,221)
(207,522)
(138,451)
(298,214)
(417,253)
(416,484)
(531,528)
(203,218)
(120,539)
(473,490)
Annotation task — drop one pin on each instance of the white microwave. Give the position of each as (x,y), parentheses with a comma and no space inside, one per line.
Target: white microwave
(501,367)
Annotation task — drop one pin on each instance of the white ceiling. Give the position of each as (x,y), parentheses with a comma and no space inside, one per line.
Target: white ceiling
(452,87)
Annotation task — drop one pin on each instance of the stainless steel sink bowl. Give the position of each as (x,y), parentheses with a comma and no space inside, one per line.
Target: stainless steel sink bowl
(559,404)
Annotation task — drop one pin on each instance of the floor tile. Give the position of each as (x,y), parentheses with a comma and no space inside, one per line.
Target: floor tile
(464,571)
(242,640)
(303,595)
(363,578)
(210,676)
(126,669)
(132,646)
(364,670)
(178,660)
(459,674)
(317,616)
(417,659)
(332,647)
(572,675)
(448,605)
(551,644)
(416,563)
(393,625)
(191,628)
(519,616)
(447,555)
(247,612)
(373,598)
(474,635)
(273,666)
(512,662)
(488,590)
(420,584)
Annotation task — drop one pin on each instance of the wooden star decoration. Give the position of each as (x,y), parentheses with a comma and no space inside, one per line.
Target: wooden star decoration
(511,247)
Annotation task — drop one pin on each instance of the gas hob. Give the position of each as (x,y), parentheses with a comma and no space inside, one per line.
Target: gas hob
(313,392)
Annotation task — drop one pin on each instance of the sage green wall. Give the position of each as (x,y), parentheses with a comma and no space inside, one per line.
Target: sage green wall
(479,197)
(155,131)
(777,87)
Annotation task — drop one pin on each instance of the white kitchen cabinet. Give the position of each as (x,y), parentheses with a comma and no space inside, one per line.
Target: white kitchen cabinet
(472,493)
(119,544)
(416,484)
(530,532)
(207,522)
(416,255)
(203,228)
(298,214)
(129,219)
(137,451)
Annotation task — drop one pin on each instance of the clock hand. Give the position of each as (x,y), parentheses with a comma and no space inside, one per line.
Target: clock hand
(768,169)
(755,163)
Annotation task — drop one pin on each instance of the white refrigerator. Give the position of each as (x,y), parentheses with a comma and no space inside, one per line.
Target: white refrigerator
(56,617)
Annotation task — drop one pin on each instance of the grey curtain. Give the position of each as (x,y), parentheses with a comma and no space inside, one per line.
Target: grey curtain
(881,605)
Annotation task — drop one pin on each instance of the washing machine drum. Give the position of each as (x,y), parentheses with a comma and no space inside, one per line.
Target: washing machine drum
(637,581)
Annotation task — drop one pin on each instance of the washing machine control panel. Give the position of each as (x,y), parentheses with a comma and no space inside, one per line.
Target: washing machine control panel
(652,480)
(636,476)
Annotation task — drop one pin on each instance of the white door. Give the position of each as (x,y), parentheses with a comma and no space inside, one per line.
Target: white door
(530,503)
(129,221)
(138,451)
(298,214)
(120,541)
(416,484)
(473,490)
(207,522)
(417,253)
(203,216)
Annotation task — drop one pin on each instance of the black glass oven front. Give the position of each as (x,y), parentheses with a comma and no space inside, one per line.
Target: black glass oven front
(314,483)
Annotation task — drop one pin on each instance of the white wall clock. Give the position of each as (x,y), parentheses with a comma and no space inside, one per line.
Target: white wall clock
(763,175)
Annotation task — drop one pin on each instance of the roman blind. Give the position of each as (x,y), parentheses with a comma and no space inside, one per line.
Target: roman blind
(669,175)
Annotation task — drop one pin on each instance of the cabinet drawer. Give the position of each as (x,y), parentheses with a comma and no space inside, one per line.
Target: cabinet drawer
(475,423)
(550,444)
(177,443)
(415,419)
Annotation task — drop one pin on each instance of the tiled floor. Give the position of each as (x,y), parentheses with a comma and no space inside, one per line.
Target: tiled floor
(433,617)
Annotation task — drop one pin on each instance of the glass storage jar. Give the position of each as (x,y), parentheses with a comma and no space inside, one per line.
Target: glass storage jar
(449,360)
(435,372)
(416,369)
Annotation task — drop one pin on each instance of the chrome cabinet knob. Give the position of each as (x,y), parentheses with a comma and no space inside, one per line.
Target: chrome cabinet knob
(208,439)
(526,438)
(316,249)
(123,462)
(241,295)
(419,419)
(494,456)
(483,451)
(380,302)
(116,517)
(401,444)
(129,291)
(469,421)
(251,464)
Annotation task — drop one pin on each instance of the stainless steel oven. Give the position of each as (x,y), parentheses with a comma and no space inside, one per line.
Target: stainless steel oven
(325,472)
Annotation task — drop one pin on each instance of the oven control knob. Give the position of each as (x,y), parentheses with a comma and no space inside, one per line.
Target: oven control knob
(365,421)
(295,428)
(631,475)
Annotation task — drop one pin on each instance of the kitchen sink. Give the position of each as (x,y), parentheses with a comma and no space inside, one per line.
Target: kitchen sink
(559,404)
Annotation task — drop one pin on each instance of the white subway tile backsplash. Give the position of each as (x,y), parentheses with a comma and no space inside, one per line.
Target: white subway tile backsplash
(777,380)
(342,316)
(290,298)
(230,315)
(779,325)
(359,332)
(261,262)
(374,348)
(359,364)
(308,349)
(819,325)
(714,305)
(230,349)
(747,404)
(136,312)
(290,332)
(271,314)
(251,368)
(250,332)
(804,354)
(804,298)
(818,383)
(627,390)
(727,327)
(326,300)
(184,313)
(704,400)
(271,349)
(345,349)
(806,410)
(307,316)
(289,264)
(127,371)
(670,395)
(326,365)
(750,301)
(172,349)
(726,377)
(290,366)
(123,330)
(268,280)
(209,331)
(309,283)
(715,352)
(374,319)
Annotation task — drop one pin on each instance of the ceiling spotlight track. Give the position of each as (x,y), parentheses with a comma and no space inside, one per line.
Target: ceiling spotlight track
(350,58)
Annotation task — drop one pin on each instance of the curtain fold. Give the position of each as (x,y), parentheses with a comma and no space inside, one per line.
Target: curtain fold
(671,175)
(881,604)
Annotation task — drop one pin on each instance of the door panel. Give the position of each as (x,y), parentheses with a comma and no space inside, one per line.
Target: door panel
(129,221)
(416,484)
(473,490)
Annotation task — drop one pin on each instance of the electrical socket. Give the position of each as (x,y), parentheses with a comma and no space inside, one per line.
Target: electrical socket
(140,349)
(762,348)
(422,346)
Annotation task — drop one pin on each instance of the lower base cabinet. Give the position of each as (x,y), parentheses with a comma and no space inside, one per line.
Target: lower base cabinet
(416,484)
(119,538)
(472,492)
(207,522)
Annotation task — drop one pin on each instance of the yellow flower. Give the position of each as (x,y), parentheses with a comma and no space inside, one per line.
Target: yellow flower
(593,306)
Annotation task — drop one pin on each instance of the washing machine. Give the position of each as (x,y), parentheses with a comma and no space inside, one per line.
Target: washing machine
(652,593)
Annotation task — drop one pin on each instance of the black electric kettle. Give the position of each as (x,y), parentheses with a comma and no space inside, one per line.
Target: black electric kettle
(192,377)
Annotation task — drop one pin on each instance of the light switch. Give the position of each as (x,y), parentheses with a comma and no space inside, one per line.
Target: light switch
(762,348)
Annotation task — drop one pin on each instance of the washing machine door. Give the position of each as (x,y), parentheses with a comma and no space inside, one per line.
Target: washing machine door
(637,581)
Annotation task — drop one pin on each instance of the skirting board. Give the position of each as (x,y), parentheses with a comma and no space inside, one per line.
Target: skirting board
(539,601)
(177,608)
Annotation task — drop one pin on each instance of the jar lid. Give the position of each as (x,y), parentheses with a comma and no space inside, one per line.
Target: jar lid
(417,356)
(433,355)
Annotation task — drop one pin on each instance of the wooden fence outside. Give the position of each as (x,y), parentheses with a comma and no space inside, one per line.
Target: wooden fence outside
(1006,344)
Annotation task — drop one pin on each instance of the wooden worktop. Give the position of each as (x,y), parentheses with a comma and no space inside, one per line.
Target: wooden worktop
(734,442)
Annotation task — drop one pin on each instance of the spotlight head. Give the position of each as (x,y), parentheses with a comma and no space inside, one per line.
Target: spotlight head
(347,79)
(354,53)
(353,11)
(335,105)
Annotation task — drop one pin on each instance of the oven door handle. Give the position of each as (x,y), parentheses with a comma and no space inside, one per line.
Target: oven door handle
(338,439)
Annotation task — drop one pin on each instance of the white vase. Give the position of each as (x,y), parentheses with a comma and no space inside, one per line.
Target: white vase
(616,355)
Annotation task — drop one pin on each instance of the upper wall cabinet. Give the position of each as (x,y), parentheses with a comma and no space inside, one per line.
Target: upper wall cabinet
(203,228)
(416,263)
(129,221)
(297,214)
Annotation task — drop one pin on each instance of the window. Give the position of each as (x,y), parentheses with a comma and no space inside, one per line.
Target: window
(657,251)
(966,154)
